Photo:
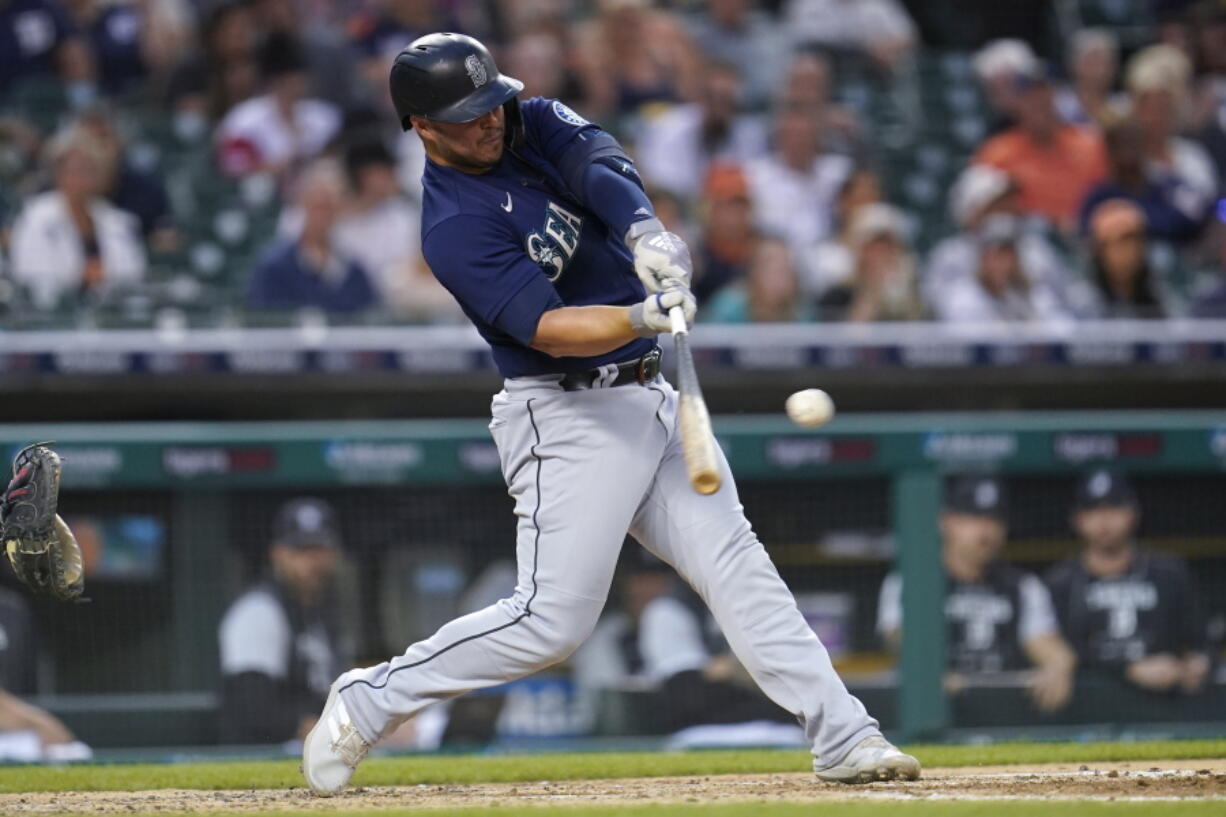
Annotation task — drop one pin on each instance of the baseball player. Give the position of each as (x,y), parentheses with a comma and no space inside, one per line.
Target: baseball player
(536,221)
(1126,609)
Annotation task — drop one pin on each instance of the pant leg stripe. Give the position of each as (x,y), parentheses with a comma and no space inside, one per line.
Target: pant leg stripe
(536,552)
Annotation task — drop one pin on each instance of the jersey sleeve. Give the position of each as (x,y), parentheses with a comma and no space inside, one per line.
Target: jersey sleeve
(254,637)
(889,605)
(572,145)
(490,274)
(1038,616)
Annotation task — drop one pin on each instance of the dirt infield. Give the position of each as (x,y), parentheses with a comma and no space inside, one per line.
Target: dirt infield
(1198,779)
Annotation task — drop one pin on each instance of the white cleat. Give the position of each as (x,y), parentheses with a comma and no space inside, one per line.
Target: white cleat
(869,760)
(333,749)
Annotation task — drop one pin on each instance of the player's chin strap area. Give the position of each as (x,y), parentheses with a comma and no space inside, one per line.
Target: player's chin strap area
(640,371)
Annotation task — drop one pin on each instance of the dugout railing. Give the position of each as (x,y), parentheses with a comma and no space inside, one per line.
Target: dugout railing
(138,666)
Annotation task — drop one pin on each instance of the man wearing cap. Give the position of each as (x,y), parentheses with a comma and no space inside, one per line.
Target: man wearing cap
(1124,608)
(998,618)
(281,645)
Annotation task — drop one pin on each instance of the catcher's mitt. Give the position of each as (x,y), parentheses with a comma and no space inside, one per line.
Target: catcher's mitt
(42,549)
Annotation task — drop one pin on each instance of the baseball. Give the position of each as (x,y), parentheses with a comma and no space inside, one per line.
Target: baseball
(810,408)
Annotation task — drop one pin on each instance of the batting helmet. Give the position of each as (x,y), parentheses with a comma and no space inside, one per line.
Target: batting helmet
(448,78)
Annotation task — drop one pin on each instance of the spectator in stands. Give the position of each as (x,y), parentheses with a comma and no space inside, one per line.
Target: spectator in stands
(380,232)
(70,244)
(39,41)
(1174,210)
(998,618)
(310,270)
(377,34)
(882,286)
(632,56)
(124,184)
(806,84)
(793,189)
(1127,609)
(769,293)
(329,65)
(538,61)
(982,191)
(1002,289)
(999,66)
(1158,81)
(735,32)
(728,233)
(1121,268)
(878,29)
(281,129)
(207,84)
(1090,97)
(675,148)
(27,733)
(281,641)
(132,41)
(1054,163)
(832,260)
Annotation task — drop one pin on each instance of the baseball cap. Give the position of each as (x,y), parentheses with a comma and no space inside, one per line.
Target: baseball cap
(977,187)
(307,522)
(978,496)
(1103,489)
(876,221)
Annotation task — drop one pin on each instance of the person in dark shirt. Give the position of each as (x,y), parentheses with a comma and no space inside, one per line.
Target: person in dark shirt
(998,618)
(18,661)
(38,40)
(1123,607)
(281,641)
(308,271)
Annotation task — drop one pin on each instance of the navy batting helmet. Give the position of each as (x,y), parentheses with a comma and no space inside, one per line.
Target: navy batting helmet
(448,78)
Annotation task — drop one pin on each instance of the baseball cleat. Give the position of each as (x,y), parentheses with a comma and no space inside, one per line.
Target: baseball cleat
(869,760)
(333,748)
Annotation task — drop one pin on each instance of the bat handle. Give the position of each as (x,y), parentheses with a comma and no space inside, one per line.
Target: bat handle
(676,315)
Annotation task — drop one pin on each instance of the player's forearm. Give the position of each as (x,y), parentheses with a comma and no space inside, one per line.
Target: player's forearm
(583,331)
(1050,652)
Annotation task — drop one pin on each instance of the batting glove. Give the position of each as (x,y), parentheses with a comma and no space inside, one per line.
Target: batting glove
(661,258)
(650,318)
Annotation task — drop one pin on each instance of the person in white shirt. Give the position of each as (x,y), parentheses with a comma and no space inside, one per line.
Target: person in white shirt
(1000,290)
(794,189)
(69,242)
(280,130)
(880,29)
(675,148)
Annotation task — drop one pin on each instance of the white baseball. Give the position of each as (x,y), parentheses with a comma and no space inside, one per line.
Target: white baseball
(810,408)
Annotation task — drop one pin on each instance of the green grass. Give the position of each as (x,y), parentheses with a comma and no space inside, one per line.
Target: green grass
(439,769)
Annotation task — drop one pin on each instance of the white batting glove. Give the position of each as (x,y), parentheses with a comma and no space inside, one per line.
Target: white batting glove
(650,318)
(661,258)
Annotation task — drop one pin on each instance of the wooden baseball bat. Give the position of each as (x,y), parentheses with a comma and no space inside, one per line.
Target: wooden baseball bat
(697,442)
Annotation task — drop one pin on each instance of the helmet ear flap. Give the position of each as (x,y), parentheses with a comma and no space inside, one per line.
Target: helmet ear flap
(514,134)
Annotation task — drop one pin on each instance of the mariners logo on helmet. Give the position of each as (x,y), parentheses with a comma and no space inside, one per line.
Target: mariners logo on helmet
(476,70)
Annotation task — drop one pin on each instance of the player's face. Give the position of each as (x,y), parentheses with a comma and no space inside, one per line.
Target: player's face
(470,147)
(978,539)
(1106,527)
(307,569)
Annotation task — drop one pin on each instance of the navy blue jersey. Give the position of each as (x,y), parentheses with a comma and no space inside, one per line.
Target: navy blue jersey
(514,242)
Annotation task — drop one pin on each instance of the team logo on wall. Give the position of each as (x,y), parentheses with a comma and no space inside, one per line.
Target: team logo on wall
(476,70)
(553,247)
(568,116)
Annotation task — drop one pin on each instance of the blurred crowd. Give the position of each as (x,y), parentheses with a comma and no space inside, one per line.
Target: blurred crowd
(833,160)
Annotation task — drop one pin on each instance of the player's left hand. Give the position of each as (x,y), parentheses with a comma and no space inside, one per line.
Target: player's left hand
(661,259)
(1051,687)
(650,318)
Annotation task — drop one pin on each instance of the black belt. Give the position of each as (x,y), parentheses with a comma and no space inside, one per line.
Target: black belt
(641,370)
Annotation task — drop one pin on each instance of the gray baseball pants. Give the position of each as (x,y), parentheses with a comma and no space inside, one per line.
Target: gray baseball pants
(585,467)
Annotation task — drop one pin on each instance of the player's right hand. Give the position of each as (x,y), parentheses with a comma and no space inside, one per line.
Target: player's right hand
(661,259)
(650,318)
